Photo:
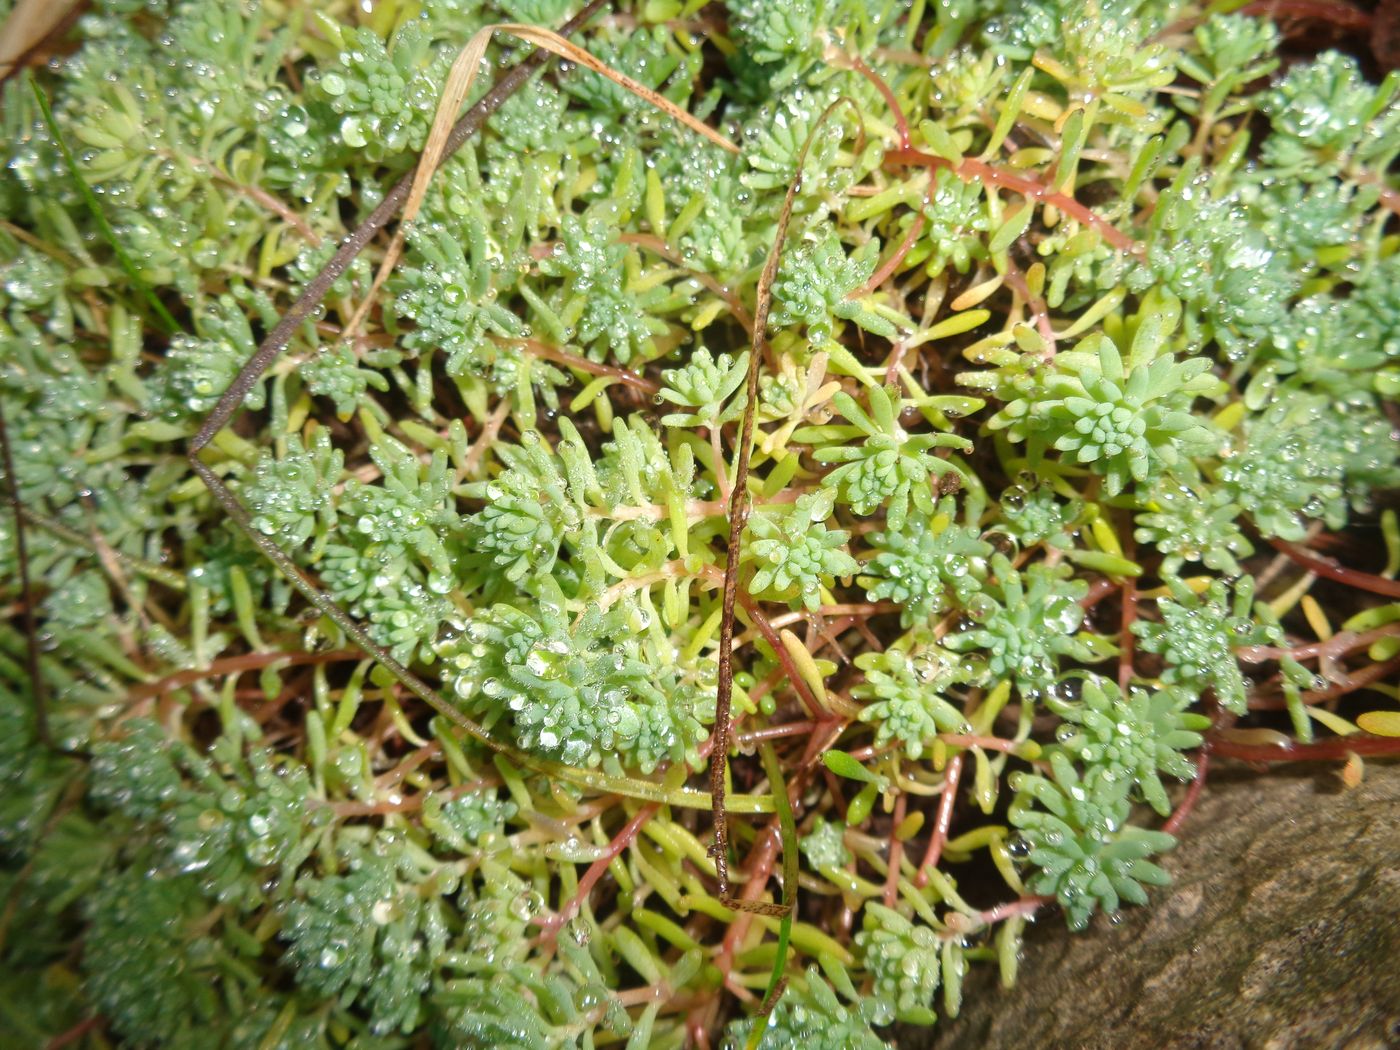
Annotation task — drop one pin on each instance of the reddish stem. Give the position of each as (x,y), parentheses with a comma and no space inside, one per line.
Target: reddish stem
(901,122)
(780,650)
(1020,906)
(969,168)
(1098,591)
(896,853)
(73,1034)
(987,743)
(1193,793)
(624,838)
(1356,681)
(237,665)
(1334,748)
(1364,581)
(775,732)
(888,267)
(943,821)
(551,353)
(1338,645)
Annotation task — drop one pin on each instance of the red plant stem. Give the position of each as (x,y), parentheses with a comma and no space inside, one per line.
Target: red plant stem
(888,267)
(1334,748)
(847,609)
(896,853)
(408,764)
(1193,793)
(987,743)
(969,169)
(774,732)
(624,838)
(1020,906)
(901,122)
(1128,617)
(780,650)
(1338,645)
(942,821)
(1098,591)
(552,353)
(1364,581)
(237,665)
(73,1034)
(1356,681)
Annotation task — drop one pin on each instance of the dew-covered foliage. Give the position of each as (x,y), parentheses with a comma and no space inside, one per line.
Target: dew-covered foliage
(1074,429)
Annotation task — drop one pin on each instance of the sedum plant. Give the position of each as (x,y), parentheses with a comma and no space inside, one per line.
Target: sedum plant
(969,419)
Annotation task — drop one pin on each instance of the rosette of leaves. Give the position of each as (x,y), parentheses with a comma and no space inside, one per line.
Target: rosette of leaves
(1326,116)
(586,691)
(336,373)
(529,508)
(809,1014)
(703,385)
(1204,249)
(908,689)
(196,369)
(1189,524)
(1025,622)
(155,965)
(370,935)
(889,467)
(1323,344)
(465,823)
(787,38)
(957,223)
(1127,420)
(446,290)
(823,845)
(290,498)
(599,302)
(773,141)
(905,958)
(1308,456)
(1198,634)
(1074,832)
(1033,512)
(815,282)
(244,836)
(795,551)
(1140,735)
(408,511)
(385,94)
(919,566)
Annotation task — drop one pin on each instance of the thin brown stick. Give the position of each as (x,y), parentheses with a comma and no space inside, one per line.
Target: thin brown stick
(738,517)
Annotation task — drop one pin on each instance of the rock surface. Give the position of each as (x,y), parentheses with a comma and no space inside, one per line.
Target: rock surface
(1281,931)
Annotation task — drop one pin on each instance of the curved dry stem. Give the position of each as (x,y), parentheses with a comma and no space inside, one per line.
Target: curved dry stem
(739,512)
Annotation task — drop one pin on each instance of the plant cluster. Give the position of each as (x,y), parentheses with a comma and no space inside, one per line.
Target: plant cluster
(1075,402)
